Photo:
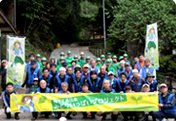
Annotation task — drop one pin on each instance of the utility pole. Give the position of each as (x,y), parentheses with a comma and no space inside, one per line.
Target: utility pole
(104,24)
(14,3)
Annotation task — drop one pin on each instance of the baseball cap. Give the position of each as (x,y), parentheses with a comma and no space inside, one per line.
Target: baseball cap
(62,69)
(82,53)
(134,70)
(86,65)
(33,62)
(162,85)
(144,85)
(110,73)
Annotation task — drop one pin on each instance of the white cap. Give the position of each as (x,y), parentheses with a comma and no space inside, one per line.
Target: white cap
(62,69)
(4,61)
(135,70)
(145,85)
(62,119)
(110,72)
(77,65)
(122,61)
(82,53)
(35,79)
(162,85)
(86,65)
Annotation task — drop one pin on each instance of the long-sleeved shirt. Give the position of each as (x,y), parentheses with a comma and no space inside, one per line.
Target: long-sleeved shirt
(6,101)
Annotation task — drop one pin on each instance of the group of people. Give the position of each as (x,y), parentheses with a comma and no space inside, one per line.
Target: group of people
(106,74)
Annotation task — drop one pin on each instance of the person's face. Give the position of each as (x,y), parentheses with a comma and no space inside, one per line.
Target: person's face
(114,59)
(87,60)
(122,64)
(82,56)
(48,65)
(43,62)
(93,76)
(46,73)
(64,87)
(136,60)
(9,88)
(33,66)
(109,56)
(61,61)
(4,64)
(127,68)
(106,84)
(86,69)
(141,58)
(31,57)
(84,89)
(69,71)
(52,60)
(128,91)
(53,68)
(135,74)
(146,89)
(38,58)
(69,55)
(108,63)
(123,78)
(76,59)
(43,84)
(62,55)
(102,69)
(62,73)
(150,79)
(93,63)
(78,74)
(163,89)
(35,82)
(111,76)
(147,63)
(98,62)
(73,64)
(103,59)
(125,58)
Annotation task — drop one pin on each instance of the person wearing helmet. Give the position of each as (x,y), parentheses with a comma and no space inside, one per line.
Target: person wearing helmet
(62,59)
(126,58)
(118,64)
(43,61)
(109,56)
(98,63)
(88,60)
(69,59)
(52,59)
(103,59)
(76,59)
(109,67)
(82,60)
(114,62)
(38,59)
(62,54)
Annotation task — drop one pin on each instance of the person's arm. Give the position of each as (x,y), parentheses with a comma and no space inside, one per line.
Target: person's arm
(25,81)
(4,99)
(171,104)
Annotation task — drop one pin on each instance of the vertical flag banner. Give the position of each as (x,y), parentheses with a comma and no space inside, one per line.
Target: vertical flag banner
(16,60)
(151,45)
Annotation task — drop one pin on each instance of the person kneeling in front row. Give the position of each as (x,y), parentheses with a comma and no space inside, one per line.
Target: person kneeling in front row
(6,100)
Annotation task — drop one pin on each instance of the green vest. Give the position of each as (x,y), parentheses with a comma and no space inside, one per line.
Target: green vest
(118,65)
(41,67)
(110,68)
(82,62)
(114,65)
(69,60)
(39,62)
(99,65)
(127,61)
(58,67)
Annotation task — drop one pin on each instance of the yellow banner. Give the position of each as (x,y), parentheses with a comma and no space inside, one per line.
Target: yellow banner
(84,102)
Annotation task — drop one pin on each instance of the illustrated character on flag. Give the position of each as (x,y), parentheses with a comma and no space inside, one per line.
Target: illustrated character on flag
(28,104)
(151,44)
(18,62)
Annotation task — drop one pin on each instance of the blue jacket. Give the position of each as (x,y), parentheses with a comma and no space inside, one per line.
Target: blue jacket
(137,88)
(105,77)
(57,72)
(120,87)
(139,66)
(32,76)
(78,87)
(96,69)
(28,65)
(47,90)
(119,71)
(59,82)
(130,74)
(170,98)
(152,88)
(144,73)
(92,88)
(49,79)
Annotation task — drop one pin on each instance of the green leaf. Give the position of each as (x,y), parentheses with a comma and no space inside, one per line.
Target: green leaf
(139,98)
(42,99)
(133,98)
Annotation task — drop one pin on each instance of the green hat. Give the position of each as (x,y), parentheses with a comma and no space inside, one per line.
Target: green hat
(109,53)
(125,55)
(87,57)
(69,52)
(102,56)
(120,57)
(38,55)
(62,58)
(114,56)
(98,59)
(43,59)
(52,57)
(62,53)
(75,56)
(108,60)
